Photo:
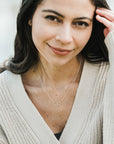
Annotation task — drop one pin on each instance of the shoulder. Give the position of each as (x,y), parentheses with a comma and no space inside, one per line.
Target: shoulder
(6,78)
(97,66)
(98,72)
(8,81)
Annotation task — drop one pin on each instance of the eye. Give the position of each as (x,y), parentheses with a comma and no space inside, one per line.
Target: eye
(80,24)
(53,18)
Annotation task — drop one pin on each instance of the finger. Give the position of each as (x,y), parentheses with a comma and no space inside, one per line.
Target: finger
(106,22)
(106,13)
(106,10)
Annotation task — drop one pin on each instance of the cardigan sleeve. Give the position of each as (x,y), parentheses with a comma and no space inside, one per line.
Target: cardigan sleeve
(108,108)
(3,139)
(109,41)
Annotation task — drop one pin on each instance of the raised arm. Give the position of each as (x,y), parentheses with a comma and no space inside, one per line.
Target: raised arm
(107,18)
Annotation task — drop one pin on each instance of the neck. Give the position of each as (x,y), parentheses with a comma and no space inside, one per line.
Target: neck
(57,76)
(60,75)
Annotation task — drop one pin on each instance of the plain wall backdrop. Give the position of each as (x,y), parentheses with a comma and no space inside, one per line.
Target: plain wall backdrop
(8,13)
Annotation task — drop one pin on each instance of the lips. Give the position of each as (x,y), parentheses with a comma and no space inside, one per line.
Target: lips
(59,51)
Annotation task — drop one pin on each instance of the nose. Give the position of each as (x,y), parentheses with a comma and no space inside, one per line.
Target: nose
(64,34)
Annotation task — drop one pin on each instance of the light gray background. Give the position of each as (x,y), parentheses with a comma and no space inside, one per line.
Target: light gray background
(8,12)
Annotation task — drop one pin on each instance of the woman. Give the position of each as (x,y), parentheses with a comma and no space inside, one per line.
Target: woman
(58,88)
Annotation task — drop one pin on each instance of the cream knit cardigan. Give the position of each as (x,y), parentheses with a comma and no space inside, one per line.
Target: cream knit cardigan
(92,116)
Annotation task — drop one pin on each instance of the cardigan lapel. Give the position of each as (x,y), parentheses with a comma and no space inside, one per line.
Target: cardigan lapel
(28,111)
(77,118)
(81,107)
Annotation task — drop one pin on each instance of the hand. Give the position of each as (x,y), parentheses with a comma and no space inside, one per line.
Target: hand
(106,17)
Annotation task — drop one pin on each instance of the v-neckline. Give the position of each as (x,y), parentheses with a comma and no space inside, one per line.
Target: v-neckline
(76,120)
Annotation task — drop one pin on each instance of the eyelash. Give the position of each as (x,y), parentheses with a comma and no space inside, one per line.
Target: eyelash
(79,24)
(53,19)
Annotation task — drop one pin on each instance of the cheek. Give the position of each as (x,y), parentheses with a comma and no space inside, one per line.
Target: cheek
(36,32)
(41,34)
(86,38)
(83,38)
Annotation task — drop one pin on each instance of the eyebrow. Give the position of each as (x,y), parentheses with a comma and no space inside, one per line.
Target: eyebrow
(52,11)
(81,18)
(55,12)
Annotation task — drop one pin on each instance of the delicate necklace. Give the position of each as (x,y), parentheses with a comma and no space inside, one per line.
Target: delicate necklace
(55,102)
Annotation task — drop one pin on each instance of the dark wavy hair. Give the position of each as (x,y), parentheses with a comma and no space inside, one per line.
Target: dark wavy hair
(25,52)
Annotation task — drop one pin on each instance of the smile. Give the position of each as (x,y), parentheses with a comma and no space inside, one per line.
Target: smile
(60,51)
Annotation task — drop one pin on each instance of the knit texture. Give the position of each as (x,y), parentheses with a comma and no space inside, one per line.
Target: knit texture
(91,120)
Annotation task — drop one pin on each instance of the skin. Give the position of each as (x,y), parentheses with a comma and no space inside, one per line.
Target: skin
(63,32)
(107,18)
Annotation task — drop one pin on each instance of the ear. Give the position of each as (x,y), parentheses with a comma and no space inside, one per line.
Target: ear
(30,22)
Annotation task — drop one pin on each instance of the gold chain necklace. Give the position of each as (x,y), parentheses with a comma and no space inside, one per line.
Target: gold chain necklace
(54,101)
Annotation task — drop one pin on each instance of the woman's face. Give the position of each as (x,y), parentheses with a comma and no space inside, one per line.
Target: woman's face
(61,29)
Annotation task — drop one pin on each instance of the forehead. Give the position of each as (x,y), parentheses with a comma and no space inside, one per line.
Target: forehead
(69,7)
